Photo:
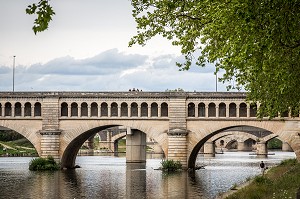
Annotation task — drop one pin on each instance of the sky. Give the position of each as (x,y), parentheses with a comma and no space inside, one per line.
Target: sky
(86,49)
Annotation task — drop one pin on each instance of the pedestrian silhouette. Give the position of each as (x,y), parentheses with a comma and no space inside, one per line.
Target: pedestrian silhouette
(262,167)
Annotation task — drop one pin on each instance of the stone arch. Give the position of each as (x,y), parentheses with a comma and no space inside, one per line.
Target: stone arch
(230,144)
(72,140)
(30,130)
(104,109)
(144,109)
(253,109)
(124,109)
(7,109)
(211,109)
(64,109)
(222,109)
(74,109)
(243,110)
(37,109)
(269,137)
(18,109)
(84,109)
(154,109)
(222,142)
(114,109)
(1,114)
(118,136)
(207,131)
(27,109)
(164,110)
(94,109)
(115,139)
(134,109)
(201,109)
(191,109)
(232,110)
(239,136)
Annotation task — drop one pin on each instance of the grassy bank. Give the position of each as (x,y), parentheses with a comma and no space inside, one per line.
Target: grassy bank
(282,181)
(19,147)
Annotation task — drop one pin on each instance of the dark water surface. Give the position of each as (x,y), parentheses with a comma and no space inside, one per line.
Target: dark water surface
(110,177)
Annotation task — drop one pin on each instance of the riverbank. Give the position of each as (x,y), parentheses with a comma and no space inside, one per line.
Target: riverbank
(282,181)
(16,149)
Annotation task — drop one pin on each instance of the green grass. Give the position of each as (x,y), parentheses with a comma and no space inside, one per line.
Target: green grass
(20,151)
(22,142)
(282,181)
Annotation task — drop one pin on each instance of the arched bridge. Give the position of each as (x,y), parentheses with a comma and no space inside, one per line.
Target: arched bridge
(58,123)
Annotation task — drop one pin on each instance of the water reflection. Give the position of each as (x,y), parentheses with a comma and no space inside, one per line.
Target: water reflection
(110,177)
(136,180)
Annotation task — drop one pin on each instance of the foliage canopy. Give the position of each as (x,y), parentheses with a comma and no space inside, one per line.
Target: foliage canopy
(257,43)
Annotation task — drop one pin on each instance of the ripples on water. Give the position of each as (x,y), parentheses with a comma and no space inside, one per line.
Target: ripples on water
(110,177)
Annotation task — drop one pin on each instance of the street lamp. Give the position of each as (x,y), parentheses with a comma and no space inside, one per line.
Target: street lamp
(216,80)
(14,73)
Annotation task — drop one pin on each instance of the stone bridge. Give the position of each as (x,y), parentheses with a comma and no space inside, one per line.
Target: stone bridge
(58,123)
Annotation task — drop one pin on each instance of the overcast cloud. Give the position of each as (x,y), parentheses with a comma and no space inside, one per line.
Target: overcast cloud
(108,71)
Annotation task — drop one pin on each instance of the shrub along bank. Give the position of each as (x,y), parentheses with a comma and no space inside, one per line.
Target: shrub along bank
(282,181)
(43,164)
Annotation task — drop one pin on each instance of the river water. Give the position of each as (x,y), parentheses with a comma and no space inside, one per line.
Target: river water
(110,177)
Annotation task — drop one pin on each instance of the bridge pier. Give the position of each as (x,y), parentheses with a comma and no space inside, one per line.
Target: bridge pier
(135,146)
(209,149)
(241,146)
(261,150)
(90,143)
(50,144)
(177,148)
(286,147)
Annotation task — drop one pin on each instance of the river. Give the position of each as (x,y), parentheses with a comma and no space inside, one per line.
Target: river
(110,177)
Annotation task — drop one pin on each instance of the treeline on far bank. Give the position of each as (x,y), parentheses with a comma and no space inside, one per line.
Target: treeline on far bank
(275,143)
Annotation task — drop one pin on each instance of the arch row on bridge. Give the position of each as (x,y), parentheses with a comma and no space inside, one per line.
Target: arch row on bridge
(114,109)
(20,109)
(224,109)
(134,109)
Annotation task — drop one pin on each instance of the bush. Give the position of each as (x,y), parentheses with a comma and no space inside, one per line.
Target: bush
(262,180)
(288,162)
(43,164)
(171,165)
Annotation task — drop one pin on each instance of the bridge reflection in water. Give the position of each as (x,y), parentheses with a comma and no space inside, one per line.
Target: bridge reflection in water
(110,177)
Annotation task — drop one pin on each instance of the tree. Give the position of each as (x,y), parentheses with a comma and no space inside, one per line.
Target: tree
(44,15)
(257,43)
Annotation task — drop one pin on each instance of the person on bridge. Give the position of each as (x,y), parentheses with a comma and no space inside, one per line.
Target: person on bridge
(262,167)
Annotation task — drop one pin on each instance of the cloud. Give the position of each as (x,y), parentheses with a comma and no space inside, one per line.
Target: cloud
(5,69)
(110,70)
(107,62)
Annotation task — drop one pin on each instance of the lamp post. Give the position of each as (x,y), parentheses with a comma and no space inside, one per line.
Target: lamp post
(14,73)
(216,80)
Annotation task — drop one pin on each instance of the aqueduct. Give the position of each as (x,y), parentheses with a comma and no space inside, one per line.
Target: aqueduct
(58,123)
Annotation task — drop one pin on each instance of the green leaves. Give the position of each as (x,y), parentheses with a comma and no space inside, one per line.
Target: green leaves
(257,43)
(44,14)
